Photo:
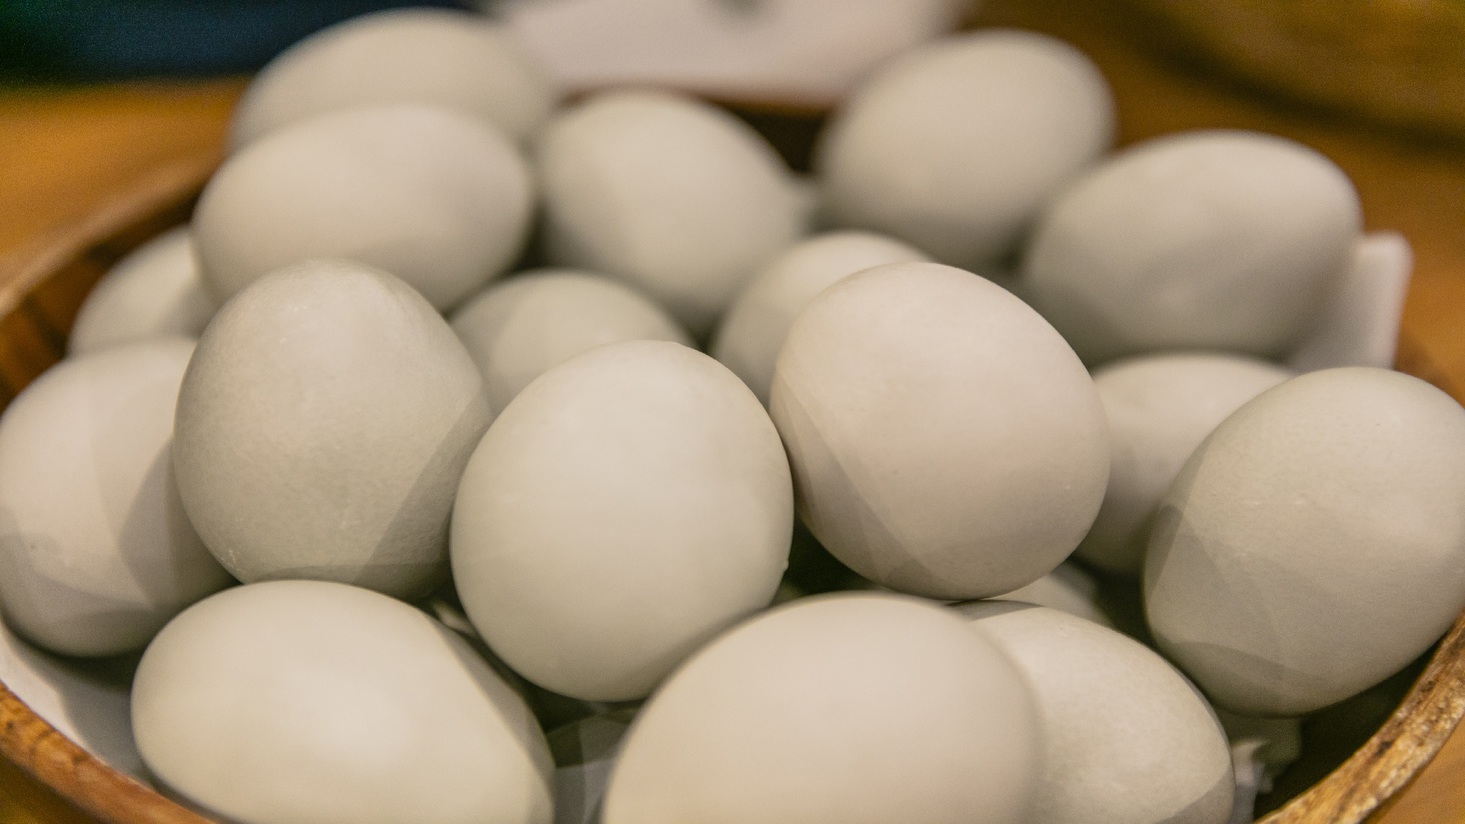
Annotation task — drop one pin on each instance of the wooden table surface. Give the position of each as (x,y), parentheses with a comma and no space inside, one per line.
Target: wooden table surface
(63,149)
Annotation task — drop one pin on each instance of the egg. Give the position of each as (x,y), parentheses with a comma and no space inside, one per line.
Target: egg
(1126,738)
(629,504)
(944,439)
(676,197)
(518,329)
(838,709)
(96,553)
(1159,408)
(1315,543)
(443,57)
(294,701)
(752,332)
(1225,240)
(322,427)
(156,291)
(956,145)
(433,196)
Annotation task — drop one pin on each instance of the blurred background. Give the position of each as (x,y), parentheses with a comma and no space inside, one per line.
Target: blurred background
(74,40)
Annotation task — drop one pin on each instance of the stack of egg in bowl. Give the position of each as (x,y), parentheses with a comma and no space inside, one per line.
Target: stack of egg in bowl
(475,455)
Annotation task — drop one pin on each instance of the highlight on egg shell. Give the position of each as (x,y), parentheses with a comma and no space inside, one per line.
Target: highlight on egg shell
(322,427)
(628,505)
(436,197)
(301,701)
(945,440)
(1315,543)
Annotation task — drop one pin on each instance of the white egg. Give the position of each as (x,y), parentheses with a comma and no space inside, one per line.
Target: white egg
(1315,543)
(945,441)
(956,145)
(845,709)
(322,427)
(1126,739)
(96,553)
(446,58)
(626,506)
(753,330)
(518,329)
(678,198)
(433,196)
(1224,240)
(296,701)
(154,292)
(1160,408)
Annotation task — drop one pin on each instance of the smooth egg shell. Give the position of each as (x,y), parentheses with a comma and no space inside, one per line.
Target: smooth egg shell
(1159,408)
(846,709)
(518,329)
(625,507)
(1315,543)
(672,195)
(955,146)
(431,195)
(1225,240)
(154,292)
(322,427)
(754,328)
(293,701)
(945,441)
(96,553)
(1126,738)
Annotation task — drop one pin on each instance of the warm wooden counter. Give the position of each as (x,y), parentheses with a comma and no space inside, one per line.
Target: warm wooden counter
(63,150)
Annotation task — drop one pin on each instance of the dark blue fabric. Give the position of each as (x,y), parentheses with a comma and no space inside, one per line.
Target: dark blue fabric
(133,38)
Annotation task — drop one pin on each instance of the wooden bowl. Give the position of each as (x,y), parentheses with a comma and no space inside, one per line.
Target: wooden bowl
(43,288)
(47,287)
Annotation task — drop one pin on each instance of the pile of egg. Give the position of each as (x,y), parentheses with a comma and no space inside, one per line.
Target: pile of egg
(468,509)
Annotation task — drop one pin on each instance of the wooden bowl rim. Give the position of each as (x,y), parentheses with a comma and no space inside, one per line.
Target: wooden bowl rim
(1364,784)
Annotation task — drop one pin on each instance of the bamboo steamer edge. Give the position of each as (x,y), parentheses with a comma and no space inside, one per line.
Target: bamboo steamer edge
(46,283)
